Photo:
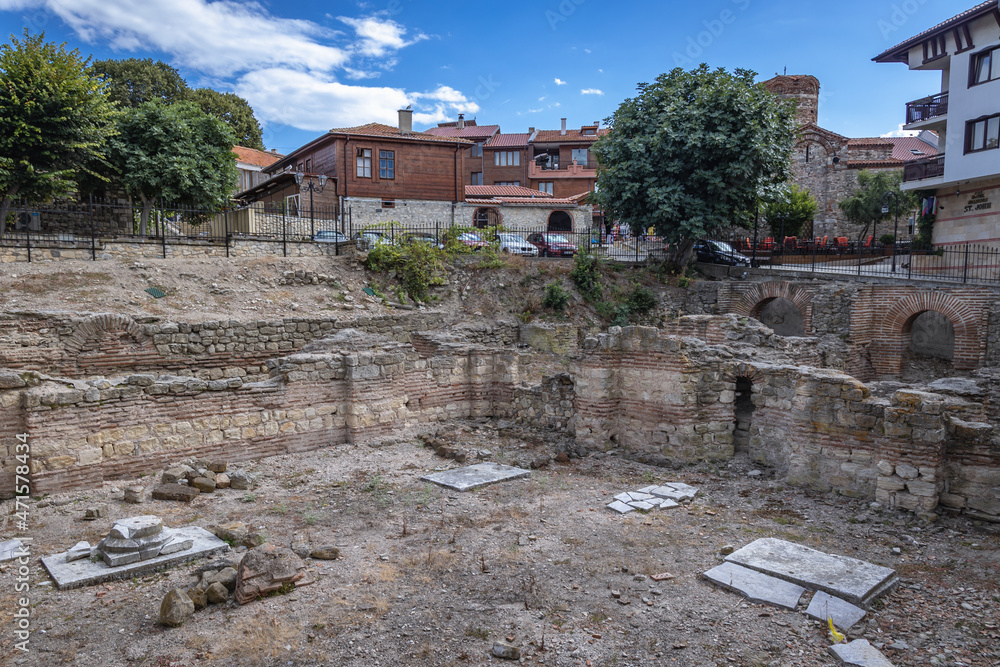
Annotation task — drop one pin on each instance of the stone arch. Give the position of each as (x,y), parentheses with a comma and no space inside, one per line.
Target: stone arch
(560,221)
(485,217)
(892,336)
(760,295)
(91,329)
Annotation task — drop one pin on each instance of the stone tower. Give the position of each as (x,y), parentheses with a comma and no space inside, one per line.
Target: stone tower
(801,88)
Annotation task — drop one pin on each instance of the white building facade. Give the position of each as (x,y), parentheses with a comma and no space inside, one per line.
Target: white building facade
(965,175)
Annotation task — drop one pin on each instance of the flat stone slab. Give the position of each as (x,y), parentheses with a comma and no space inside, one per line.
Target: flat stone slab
(474,476)
(756,586)
(859,653)
(844,614)
(850,579)
(9,549)
(86,572)
(620,507)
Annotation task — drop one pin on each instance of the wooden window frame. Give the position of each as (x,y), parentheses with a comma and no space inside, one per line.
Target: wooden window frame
(510,159)
(363,163)
(387,165)
(934,48)
(963,34)
(970,133)
(546,186)
(994,52)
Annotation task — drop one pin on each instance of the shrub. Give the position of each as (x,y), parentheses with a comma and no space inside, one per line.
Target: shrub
(556,297)
(586,275)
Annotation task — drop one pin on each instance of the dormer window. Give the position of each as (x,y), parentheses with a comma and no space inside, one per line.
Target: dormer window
(916,151)
(935,48)
(589,131)
(963,38)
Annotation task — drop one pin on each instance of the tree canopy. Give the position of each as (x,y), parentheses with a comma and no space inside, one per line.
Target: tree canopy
(175,152)
(234,111)
(864,206)
(693,152)
(789,211)
(133,81)
(54,119)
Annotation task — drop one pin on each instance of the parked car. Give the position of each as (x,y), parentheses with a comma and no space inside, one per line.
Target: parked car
(516,245)
(719,252)
(552,245)
(368,238)
(473,240)
(330,236)
(421,237)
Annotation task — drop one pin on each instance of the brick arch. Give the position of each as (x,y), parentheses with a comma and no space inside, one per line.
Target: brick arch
(892,336)
(91,329)
(742,370)
(760,294)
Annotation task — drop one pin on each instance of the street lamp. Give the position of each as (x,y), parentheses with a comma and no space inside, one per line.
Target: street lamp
(894,196)
(299,177)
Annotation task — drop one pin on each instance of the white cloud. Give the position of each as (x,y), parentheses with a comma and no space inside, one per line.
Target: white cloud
(560,82)
(900,132)
(591,91)
(380,37)
(586,51)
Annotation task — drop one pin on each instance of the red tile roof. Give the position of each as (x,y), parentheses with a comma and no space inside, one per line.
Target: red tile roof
(503,191)
(380,130)
(870,141)
(901,147)
(255,157)
(467,132)
(900,52)
(577,135)
(508,141)
(524,201)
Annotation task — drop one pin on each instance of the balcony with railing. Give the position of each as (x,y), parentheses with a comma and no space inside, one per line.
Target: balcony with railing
(927,108)
(918,170)
(571,171)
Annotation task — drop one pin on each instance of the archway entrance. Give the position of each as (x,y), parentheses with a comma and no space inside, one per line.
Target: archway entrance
(744,408)
(781,315)
(931,349)
(484,218)
(560,221)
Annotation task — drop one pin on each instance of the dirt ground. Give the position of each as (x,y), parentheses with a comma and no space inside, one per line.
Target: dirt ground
(428,576)
(432,577)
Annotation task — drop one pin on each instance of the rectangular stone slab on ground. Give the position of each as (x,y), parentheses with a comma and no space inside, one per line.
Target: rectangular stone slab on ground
(859,653)
(9,549)
(756,586)
(474,476)
(86,572)
(844,614)
(850,579)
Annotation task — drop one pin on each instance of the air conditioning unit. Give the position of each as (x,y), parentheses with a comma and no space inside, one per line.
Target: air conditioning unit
(31,220)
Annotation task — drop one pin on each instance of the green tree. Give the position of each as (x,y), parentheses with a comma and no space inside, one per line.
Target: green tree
(789,211)
(54,119)
(174,152)
(133,81)
(864,206)
(692,153)
(232,110)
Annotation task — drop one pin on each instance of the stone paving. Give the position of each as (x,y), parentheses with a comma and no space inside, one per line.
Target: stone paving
(665,496)
(475,476)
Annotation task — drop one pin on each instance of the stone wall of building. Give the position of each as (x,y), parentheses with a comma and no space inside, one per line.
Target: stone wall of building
(534,218)
(362,212)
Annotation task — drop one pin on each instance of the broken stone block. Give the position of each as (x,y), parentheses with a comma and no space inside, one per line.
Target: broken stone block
(184,494)
(843,613)
(906,471)
(325,553)
(242,480)
(620,507)
(227,577)
(756,586)
(203,484)
(222,481)
(234,533)
(198,597)
(217,466)
(96,512)
(859,653)
(267,569)
(176,608)
(505,651)
(78,551)
(10,549)
(216,593)
(175,544)
(174,475)
(135,494)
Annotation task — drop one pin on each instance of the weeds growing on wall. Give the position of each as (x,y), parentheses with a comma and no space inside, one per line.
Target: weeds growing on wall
(556,297)
(620,308)
(418,265)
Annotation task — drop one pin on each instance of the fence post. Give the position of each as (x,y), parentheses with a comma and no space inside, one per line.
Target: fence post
(965,269)
(636,236)
(814,257)
(225,219)
(861,248)
(93,242)
(163,229)
(27,229)
(909,266)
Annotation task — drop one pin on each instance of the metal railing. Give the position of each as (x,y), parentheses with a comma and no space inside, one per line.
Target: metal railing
(917,170)
(927,108)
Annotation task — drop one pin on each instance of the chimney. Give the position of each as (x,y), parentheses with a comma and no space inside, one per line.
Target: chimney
(274,150)
(461,121)
(563,131)
(406,121)
(531,130)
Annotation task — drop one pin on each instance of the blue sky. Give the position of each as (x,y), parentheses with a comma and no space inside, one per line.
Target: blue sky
(309,66)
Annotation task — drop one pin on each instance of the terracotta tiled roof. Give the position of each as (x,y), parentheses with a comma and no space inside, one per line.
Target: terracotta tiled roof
(870,141)
(577,135)
(380,130)
(874,164)
(467,132)
(898,52)
(901,146)
(508,141)
(523,201)
(255,157)
(503,191)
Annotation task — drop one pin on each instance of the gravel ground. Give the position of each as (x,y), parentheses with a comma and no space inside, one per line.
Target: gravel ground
(432,577)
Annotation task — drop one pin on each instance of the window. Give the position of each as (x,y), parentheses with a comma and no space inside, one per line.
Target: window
(506,158)
(477,149)
(477,178)
(982,134)
(309,166)
(387,164)
(292,205)
(963,38)
(364,159)
(935,48)
(514,183)
(589,131)
(985,67)
(388,203)
(545,187)
(580,156)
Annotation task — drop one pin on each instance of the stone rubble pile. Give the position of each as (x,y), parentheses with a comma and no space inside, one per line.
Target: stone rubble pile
(130,541)
(664,496)
(186,481)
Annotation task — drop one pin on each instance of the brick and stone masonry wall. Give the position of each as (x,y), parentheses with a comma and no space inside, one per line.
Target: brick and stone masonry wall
(153,249)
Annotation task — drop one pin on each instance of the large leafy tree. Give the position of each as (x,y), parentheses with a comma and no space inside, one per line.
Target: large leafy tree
(864,205)
(789,211)
(133,81)
(54,119)
(692,153)
(234,111)
(174,152)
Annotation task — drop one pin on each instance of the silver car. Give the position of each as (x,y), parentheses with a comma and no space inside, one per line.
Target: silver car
(516,245)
